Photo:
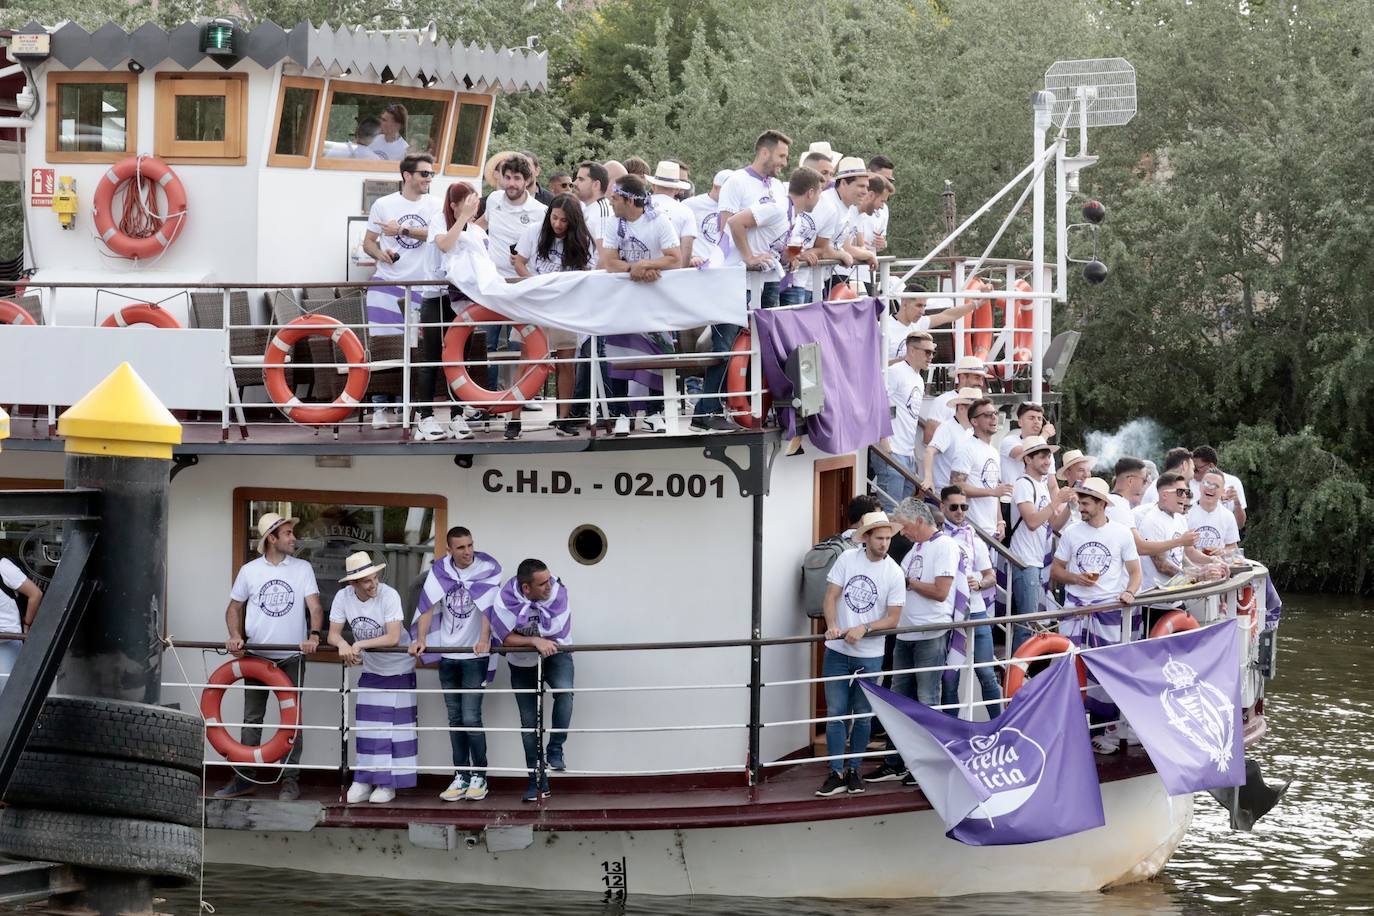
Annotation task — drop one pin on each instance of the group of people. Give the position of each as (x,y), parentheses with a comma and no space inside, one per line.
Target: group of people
(799,234)
(465,609)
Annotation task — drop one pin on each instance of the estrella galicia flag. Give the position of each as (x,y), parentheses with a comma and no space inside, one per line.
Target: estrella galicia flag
(1181,694)
(1026,776)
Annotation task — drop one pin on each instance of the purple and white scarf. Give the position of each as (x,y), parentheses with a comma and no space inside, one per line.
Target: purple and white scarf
(958,638)
(512,612)
(479,584)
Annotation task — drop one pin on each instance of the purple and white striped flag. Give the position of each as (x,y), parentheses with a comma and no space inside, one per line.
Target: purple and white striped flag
(512,612)
(456,595)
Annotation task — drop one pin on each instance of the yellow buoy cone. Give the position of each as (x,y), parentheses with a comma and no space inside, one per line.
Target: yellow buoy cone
(120,416)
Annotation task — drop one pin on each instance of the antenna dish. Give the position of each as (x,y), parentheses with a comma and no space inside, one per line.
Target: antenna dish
(1108,84)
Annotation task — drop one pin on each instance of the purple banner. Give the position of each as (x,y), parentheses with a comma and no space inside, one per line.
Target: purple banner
(1181,695)
(856,412)
(1026,776)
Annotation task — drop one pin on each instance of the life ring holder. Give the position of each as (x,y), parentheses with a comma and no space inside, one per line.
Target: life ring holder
(141,313)
(534,348)
(737,383)
(258,669)
(14,313)
(278,352)
(107,229)
(1036,646)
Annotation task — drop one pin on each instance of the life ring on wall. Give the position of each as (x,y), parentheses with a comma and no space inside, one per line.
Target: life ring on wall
(141,313)
(257,669)
(279,350)
(1041,644)
(737,383)
(174,217)
(1173,622)
(534,346)
(980,340)
(14,313)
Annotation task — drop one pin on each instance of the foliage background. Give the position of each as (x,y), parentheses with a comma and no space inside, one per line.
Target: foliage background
(1238,310)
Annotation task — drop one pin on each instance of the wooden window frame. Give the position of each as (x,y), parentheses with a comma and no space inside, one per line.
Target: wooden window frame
(58,79)
(488,104)
(388,91)
(285,160)
(234,146)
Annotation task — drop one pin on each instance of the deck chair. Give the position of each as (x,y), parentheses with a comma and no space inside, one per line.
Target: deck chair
(247,346)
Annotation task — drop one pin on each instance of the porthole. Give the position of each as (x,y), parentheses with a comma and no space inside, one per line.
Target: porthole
(587,544)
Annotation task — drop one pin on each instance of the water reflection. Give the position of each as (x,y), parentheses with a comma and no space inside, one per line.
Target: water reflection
(1312,854)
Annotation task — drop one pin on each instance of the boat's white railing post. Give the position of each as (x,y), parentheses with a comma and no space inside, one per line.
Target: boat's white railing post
(231,383)
(407,291)
(960,324)
(540,774)
(755,372)
(1043,104)
(343,730)
(594,392)
(1061,224)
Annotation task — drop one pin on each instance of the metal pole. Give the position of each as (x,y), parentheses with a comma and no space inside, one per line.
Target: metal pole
(539,772)
(343,729)
(756,632)
(1043,103)
(1061,224)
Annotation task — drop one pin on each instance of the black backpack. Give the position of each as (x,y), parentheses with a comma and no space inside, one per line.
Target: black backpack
(816,567)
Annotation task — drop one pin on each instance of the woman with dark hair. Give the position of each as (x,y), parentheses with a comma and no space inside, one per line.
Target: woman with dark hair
(561,242)
(391,142)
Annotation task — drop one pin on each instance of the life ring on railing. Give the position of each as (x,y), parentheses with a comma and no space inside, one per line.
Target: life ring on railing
(279,350)
(1023,323)
(842,292)
(980,322)
(257,669)
(1245,603)
(1173,622)
(737,384)
(174,216)
(1040,644)
(141,313)
(533,346)
(14,313)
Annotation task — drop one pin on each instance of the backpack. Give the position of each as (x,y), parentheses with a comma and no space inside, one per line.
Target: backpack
(815,567)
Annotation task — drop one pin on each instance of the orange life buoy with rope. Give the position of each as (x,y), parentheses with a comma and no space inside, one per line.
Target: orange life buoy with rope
(980,339)
(279,351)
(258,669)
(534,346)
(1246,604)
(1173,622)
(141,313)
(1038,645)
(737,383)
(14,313)
(152,232)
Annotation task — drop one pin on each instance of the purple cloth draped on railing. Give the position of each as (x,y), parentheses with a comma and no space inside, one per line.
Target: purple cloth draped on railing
(456,597)
(1273,604)
(856,412)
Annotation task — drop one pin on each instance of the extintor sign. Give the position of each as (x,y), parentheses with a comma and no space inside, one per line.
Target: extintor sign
(42,184)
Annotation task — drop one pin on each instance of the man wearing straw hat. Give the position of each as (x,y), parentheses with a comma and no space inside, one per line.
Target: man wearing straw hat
(267,606)
(948,441)
(664,183)
(1036,515)
(865,592)
(1098,564)
(969,372)
(1077,467)
(386,746)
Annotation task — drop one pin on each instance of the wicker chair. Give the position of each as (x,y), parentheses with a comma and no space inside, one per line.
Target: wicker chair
(207,308)
(328,382)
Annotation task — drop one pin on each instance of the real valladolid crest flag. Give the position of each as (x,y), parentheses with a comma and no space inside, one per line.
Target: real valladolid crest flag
(1181,694)
(1025,776)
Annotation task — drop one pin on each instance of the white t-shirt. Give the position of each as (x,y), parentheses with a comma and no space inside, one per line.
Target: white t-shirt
(1229,481)
(979,462)
(926,562)
(10,621)
(426,213)
(369,619)
(871,225)
(437,261)
(1013,468)
(905,391)
(978,562)
(1214,529)
(275,598)
(1103,550)
(828,218)
(1119,511)
(598,215)
(506,222)
(894,334)
(867,590)
(745,187)
(393,150)
(706,214)
(949,441)
(641,240)
(684,223)
(769,235)
(528,248)
(1029,545)
(461,621)
(939,409)
(1154,524)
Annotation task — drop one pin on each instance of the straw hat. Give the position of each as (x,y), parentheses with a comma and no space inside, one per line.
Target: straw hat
(721,177)
(359,566)
(823,147)
(269,522)
(667,174)
(965,396)
(970,365)
(1035,444)
(489,171)
(850,167)
(1071,457)
(1096,487)
(874,520)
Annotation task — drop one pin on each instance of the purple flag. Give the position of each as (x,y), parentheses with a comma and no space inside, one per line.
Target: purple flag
(855,412)
(1181,694)
(1025,776)
(455,596)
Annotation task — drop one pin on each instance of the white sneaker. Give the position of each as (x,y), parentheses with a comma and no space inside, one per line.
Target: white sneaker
(456,789)
(427,430)
(622,426)
(654,423)
(382,794)
(382,418)
(358,792)
(477,789)
(1106,745)
(458,428)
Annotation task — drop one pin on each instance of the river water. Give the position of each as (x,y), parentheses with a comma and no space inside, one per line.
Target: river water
(1313,854)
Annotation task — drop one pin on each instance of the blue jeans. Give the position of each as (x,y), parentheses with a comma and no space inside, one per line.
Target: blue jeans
(891,482)
(796,295)
(769,298)
(924,686)
(610,387)
(1026,592)
(987,677)
(496,334)
(722,339)
(558,674)
(844,698)
(9,656)
(465,711)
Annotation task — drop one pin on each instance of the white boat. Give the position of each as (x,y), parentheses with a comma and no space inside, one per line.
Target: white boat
(694,750)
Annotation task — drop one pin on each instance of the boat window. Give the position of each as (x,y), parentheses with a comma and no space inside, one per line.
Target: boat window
(92,116)
(469,135)
(372,128)
(201,119)
(396,528)
(587,544)
(34,546)
(298,108)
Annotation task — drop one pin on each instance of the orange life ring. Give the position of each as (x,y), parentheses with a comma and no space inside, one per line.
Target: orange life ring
(737,383)
(1173,622)
(1246,604)
(174,218)
(533,346)
(257,669)
(980,340)
(14,313)
(1041,644)
(141,313)
(1023,323)
(279,350)
(842,292)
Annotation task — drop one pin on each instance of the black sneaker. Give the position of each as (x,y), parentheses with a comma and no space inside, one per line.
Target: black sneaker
(715,424)
(909,780)
(852,783)
(885,773)
(513,429)
(567,427)
(834,784)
